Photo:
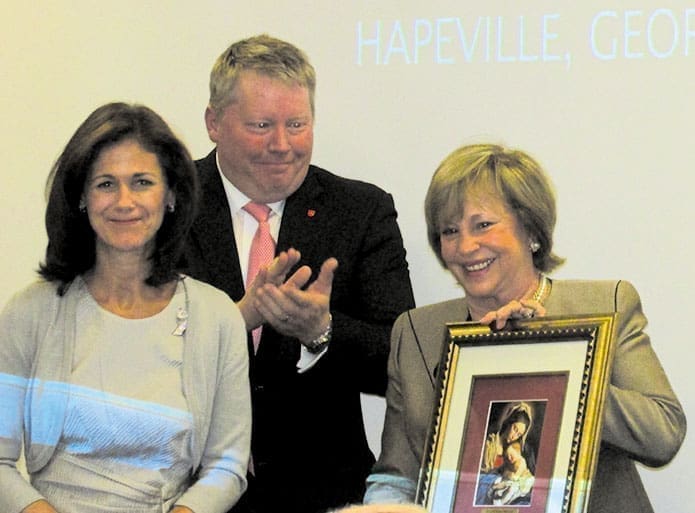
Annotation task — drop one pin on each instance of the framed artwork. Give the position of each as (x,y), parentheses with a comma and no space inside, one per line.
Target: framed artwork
(518,419)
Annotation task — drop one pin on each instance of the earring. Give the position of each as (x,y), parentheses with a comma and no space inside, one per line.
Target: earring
(82,206)
(171,207)
(534,246)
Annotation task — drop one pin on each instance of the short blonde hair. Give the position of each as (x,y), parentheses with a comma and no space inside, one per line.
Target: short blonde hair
(512,174)
(265,55)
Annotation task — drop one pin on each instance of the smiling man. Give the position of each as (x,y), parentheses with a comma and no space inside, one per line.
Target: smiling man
(325,332)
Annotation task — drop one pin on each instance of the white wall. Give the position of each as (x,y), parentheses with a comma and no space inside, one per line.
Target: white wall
(600,92)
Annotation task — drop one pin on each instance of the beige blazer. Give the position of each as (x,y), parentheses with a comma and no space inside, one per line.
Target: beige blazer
(643,419)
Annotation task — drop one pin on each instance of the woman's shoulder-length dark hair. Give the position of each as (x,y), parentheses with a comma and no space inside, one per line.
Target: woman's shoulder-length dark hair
(71,249)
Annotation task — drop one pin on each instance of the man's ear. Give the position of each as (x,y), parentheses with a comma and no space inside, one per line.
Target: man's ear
(211,123)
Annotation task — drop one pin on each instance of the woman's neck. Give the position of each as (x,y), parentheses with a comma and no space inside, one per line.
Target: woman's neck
(118,285)
(527,289)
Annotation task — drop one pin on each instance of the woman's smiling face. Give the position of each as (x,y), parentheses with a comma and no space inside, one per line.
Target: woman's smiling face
(487,251)
(126,195)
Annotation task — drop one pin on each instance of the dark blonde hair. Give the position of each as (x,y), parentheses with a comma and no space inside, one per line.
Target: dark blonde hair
(263,54)
(516,177)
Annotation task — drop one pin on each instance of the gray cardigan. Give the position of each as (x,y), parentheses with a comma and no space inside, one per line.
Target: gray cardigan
(36,350)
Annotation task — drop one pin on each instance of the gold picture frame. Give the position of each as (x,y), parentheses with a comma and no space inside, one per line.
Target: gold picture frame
(517,425)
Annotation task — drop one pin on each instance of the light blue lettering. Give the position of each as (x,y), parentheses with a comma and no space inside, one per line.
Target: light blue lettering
(500,41)
(549,36)
(631,34)
(423,37)
(397,44)
(468,50)
(374,42)
(689,33)
(594,30)
(441,38)
(488,39)
(522,40)
(650,39)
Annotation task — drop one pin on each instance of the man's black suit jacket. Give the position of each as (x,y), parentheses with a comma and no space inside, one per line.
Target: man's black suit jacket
(309,446)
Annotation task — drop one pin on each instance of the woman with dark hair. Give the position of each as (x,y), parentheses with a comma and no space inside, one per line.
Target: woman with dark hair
(126,382)
(490,215)
(72,242)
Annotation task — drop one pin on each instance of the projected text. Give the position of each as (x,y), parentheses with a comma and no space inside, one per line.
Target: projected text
(546,38)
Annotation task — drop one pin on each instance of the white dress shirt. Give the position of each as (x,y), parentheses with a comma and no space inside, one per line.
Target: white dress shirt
(245,226)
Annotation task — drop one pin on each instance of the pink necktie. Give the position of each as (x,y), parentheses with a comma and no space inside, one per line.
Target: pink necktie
(262,250)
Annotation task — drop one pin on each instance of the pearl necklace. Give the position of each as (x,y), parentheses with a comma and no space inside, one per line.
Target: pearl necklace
(542,290)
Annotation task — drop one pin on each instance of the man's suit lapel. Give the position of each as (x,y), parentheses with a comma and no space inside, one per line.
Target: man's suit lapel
(302,215)
(219,251)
